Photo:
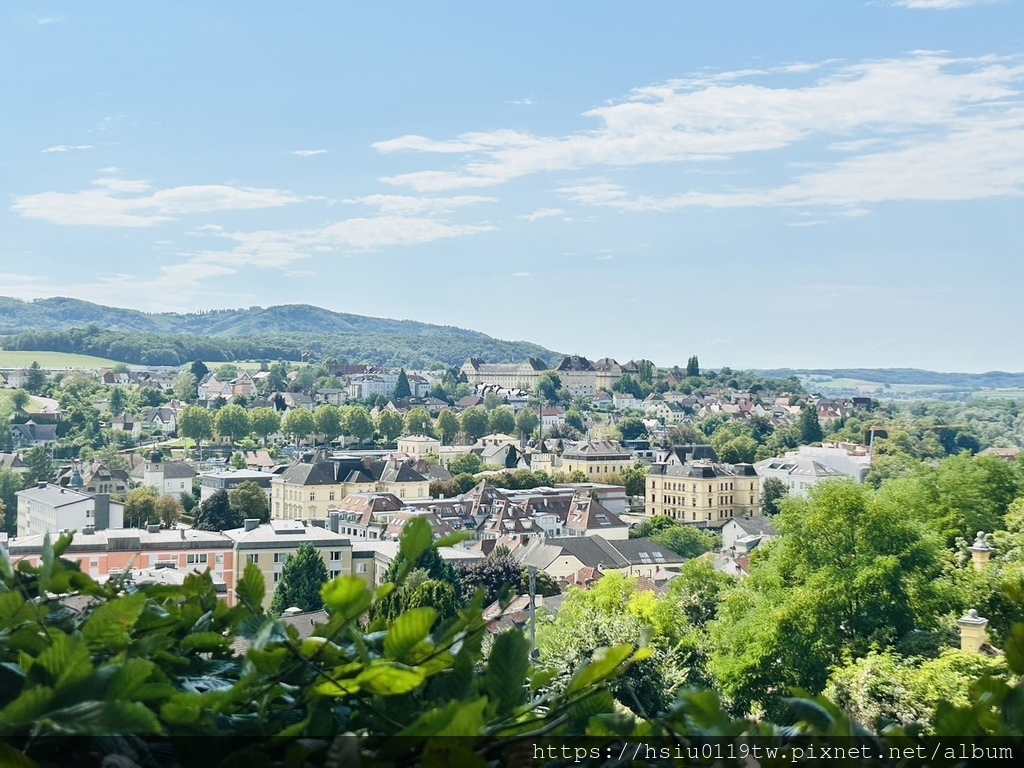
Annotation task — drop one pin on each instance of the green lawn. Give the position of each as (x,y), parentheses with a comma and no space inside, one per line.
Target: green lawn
(13,358)
(5,396)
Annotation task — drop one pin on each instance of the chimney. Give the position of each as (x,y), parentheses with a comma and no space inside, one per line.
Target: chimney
(251,523)
(981,551)
(101,511)
(153,528)
(972,632)
(41,484)
(333,518)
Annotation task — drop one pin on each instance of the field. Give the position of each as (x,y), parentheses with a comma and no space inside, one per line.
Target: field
(5,396)
(14,358)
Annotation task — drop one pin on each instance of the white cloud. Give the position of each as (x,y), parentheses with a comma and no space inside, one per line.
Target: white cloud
(520,274)
(309,152)
(950,125)
(64,148)
(606,257)
(47,20)
(940,5)
(107,205)
(543,213)
(407,204)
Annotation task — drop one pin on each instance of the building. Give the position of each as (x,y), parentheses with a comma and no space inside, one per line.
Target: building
(611,497)
(93,477)
(168,477)
(522,375)
(703,493)
(595,458)
(269,546)
(228,480)
(847,458)
(562,558)
(51,509)
(418,446)
(32,435)
(798,473)
(742,534)
(589,518)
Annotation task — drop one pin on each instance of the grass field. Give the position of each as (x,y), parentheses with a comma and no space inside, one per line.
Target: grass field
(5,395)
(14,358)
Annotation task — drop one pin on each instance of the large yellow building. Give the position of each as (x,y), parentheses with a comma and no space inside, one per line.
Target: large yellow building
(596,459)
(579,376)
(703,493)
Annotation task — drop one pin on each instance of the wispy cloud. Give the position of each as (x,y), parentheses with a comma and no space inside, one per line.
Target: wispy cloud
(520,274)
(925,126)
(939,5)
(47,20)
(309,152)
(543,213)
(120,203)
(65,148)
(409,204)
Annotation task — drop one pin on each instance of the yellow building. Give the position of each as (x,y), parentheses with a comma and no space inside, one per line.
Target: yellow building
(268,546)
(596,459)
(703,493)
(418,446)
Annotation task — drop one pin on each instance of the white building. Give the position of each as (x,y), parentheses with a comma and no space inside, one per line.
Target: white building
(798,473)
(51,509)
(170,477)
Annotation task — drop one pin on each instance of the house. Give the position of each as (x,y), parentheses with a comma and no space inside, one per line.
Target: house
(47,508)
(849,459)
(703,493)
(595,458)
(1006,454)
(564,557)
(589,518)
(611,497)
(742,534)
(418,446)
(798,473)
(32,435)
(163,420)
(115,379)
(367,515)
(377,556)
(517,375)
(13,462)
(93,477)
(127,424)
(171,477)
(230,479)
(552,417)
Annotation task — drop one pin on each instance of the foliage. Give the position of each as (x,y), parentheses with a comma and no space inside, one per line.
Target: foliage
(526,422)
(40,466)
(327,422)
(358,423)
(651,526)
(502,421)
(773,491)
(402,388)
(168,510)
(217,514)
(195,423)
(298,423)
(474,422)
(419,422)
(232,421)
(447,426)
(500,572)
(466,464)
(390,425)
(302,579)
(549,388)
(265,422)
(140,507)
(685,540)
(692,367)
(250,502)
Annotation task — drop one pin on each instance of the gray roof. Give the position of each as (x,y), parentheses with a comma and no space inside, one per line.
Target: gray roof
(595,551)
(284,534)
(758,525)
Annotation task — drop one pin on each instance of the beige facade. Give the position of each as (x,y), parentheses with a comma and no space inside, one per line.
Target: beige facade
(596,459)
(419,446)
(703,493)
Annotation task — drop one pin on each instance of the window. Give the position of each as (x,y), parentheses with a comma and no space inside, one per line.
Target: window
(218,558)
(335,574)
(280,557)
(252,558)
(277,576)
(196,558)
(336,554)
(331,496)
(312,495)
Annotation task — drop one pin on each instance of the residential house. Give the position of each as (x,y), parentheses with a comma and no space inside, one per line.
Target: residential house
(595,458)
(742,534)
(13,462)
(93,477)
(229,479)
(798,473)
(32,435)
(589,518)
(170,477)
(702,493)
(564,557)
(47,508)
(419,446)
(163,419)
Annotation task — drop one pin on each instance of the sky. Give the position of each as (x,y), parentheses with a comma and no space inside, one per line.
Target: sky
(793,184)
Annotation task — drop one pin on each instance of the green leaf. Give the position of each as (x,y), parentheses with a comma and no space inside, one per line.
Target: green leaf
(417,534)
(204,641)
(107,628)
(453,538)
(601,668)
(11,757)
(182,709)
(407,631)
(505,679)
(65,662)
(390,680)
(268,662)
(346,595)
(27,708)
(468,720)
(252,588)
(62,544)
(1015,649)
(99,717)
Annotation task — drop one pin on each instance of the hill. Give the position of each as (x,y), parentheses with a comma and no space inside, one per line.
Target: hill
(290,332)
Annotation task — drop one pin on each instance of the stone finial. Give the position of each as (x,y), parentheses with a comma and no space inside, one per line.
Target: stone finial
(981,551)
(972,632)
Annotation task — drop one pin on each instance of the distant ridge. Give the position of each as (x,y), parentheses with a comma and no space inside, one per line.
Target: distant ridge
(915,376)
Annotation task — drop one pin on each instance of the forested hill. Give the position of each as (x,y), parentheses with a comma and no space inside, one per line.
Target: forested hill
(290,332)
(912,376)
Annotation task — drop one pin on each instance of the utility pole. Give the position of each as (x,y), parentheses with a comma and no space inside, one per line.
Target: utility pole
(533,612)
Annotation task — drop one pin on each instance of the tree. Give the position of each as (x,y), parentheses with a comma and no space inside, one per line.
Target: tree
(402,388)
(358,423)
(627,385)
(302,578)
(19,400)
(298,423)
(685,540)
(168,510)
(199,370)
(651,526)
(447,426)
(632,428)
(466,464)
(265,422)
(575,420)
(250,502)
(140,507)
(197,424)
(217,514)
(809,426)
(526,422)
(390,425)
(418,422)
(492,401)
(184,386)
(40,466)
(328,422)
(692,367)
(773,491)
(35,379)
(549,387)
(10,483)
(232,422)
(226,372)
(502,421)
(474,423)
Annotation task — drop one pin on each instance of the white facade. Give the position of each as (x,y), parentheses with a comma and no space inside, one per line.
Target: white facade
(52,509)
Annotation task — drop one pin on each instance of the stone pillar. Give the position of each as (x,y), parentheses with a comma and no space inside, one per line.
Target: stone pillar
(972,632)
(981,551)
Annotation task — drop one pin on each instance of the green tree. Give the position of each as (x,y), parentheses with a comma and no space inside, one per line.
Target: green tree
(238,460)
(685,540)
(217,514)
(358,423)
(549,387)
(328,422)
(184,386)
(40,466)
(575,420)
(466,464)
(629,386)
(19,400)
(492,401)
(265,422)
(447,426)
(232,422)
(653,525)
(250,502)
(168,510)
(773,491)
(402,388)
(502,421)
(526,422)
(302,579)
(474,423)
(418,422)
(298,423)
(140,507)
(692,367)
(10,483)
(390,425)
(196,424)
(198,369)
(809,426)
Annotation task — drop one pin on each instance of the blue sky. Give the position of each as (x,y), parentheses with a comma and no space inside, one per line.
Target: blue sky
(801,184)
